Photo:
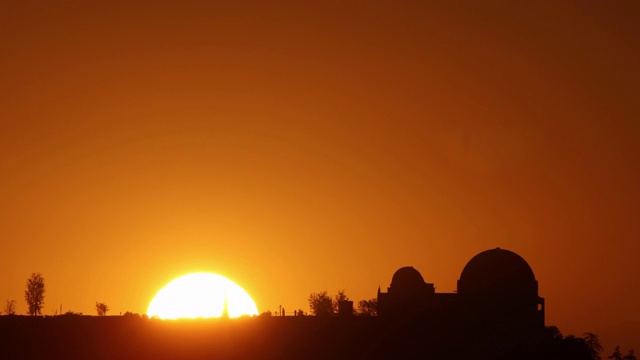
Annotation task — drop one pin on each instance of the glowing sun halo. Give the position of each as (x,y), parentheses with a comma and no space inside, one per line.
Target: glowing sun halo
(201,295)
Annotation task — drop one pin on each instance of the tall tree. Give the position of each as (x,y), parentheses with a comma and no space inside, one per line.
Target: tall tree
(340,296)
(593,343)
(101,308)
(320,304)
(34,295)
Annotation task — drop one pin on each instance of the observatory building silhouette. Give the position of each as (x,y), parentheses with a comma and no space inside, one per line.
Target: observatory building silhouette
(497,293)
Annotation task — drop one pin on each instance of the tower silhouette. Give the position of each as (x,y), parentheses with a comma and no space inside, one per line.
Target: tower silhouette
(225,305)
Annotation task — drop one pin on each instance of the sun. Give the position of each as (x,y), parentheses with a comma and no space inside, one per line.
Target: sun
(201,295)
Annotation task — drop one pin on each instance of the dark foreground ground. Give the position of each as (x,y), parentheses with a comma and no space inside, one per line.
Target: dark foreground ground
(132,337)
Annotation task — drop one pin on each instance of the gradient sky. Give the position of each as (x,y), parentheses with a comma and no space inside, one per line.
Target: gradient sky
(303,146)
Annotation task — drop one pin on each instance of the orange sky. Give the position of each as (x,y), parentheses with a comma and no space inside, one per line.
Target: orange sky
(301,147)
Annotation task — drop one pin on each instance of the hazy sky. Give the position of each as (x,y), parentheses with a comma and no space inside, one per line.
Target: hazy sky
(303,146)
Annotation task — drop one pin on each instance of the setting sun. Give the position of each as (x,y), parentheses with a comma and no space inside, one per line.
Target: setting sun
(201,295)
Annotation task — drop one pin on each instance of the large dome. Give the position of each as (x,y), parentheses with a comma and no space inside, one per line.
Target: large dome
(406,280)
(497,271)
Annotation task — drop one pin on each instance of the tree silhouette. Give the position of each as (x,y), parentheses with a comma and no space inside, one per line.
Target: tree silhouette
(341,296)
(617,355)
(129,314)
(368,307)
(10,307)
(631,355)
(554,334)
(72,313)
(554,345)
(102,309)
(34,295)
(594,345)
(320,304)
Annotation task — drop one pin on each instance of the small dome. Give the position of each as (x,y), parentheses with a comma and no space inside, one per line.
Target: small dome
(407,280)
(498,271)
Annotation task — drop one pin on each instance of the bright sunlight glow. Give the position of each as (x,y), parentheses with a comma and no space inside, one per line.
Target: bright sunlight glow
(201,295)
